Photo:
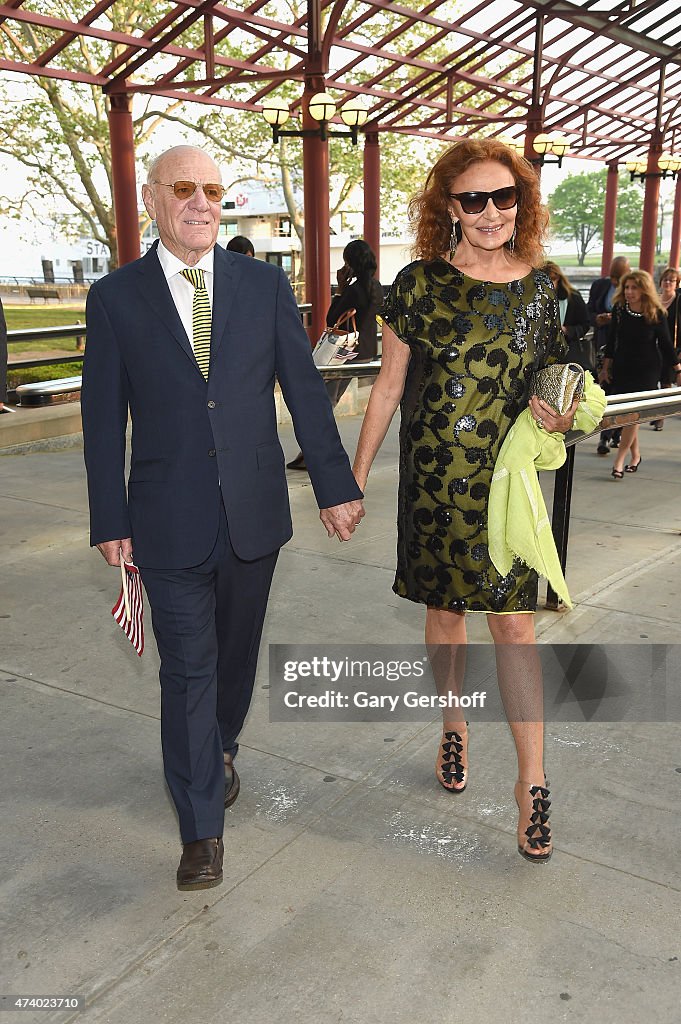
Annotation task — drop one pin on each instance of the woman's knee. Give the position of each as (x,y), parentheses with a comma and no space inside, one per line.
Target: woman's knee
(512,629)
(443,626)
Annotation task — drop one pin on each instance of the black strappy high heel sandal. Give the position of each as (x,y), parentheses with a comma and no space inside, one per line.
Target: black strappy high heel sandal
(538,832)
(449,769)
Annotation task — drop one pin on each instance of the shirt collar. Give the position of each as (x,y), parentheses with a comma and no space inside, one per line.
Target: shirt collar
(171,265)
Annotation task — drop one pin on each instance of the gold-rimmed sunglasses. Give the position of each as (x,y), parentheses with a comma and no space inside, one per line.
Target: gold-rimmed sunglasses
(186,189)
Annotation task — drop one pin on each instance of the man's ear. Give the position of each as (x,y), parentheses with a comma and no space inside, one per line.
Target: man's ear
(148,200)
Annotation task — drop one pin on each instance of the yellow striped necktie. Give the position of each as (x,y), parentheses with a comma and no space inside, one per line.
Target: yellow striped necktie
(201,319)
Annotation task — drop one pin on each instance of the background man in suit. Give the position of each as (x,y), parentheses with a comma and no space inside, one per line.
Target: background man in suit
(599,307)
(194,359)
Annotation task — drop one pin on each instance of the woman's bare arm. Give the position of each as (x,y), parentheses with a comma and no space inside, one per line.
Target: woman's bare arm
(385,397)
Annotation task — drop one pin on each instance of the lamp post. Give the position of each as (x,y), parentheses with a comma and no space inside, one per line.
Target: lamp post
(318,109)
(516,144)
(322,109)
(669,165)
(544,144)
(650,172)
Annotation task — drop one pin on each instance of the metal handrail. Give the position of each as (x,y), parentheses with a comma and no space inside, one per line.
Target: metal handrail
(77,330)
(45,333)
(27,364)
(352,369)
(621,411)
(8,281)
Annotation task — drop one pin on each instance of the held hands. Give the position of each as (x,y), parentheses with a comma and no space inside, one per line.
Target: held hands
(111,550)
(548,419)
(603,319)
(342,520)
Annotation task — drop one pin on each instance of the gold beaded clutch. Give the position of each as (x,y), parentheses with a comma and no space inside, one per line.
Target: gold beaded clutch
(558,385)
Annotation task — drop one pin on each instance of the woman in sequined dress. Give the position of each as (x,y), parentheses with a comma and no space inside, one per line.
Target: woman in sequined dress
(462,325)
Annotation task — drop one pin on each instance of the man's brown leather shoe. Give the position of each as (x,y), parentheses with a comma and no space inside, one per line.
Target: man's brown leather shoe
(232,784)
(200,865)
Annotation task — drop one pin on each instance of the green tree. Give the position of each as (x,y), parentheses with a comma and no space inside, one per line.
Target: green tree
(577,208)
(58,130)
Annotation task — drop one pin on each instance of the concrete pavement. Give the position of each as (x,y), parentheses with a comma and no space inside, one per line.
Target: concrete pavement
(356,889)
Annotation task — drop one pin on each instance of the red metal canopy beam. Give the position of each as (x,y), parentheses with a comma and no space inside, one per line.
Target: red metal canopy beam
(59,73)
(11,5)
(47,55)
(148,37)
(115,83)
(273,42)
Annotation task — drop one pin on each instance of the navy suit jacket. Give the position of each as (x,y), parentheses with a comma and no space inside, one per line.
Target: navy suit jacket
(598,294)
(191,436)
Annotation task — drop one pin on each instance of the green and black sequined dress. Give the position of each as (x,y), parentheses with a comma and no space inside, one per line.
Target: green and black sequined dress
(472,346)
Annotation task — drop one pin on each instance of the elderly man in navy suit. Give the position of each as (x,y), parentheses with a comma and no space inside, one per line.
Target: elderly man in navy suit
(193,360)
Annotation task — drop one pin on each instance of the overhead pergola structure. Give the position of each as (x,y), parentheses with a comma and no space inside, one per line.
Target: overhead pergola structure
(604,73)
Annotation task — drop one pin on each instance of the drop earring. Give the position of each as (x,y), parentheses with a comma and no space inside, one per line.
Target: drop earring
(511,242)
(454,239)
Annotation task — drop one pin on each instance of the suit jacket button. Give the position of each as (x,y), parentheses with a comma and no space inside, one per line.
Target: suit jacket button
(211,452)
(211,404)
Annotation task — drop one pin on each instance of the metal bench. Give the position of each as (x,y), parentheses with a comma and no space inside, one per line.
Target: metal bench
(43,293)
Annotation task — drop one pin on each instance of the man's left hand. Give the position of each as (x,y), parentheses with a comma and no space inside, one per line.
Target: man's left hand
(548,419)
(342,520)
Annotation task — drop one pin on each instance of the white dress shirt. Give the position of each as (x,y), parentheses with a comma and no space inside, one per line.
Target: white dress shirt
(181,289)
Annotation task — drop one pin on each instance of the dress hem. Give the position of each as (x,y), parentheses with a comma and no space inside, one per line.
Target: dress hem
(462,611)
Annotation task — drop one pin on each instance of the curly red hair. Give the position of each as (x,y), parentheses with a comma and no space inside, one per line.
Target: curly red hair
(429,210)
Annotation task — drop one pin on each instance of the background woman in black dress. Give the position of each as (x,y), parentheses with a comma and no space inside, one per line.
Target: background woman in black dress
(639,346)
(574,318)
(670,279)
(358,289)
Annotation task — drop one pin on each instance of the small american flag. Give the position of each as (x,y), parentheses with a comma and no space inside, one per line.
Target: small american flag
(129,608)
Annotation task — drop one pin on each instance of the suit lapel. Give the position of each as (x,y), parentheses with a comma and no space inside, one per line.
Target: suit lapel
(225,282)
(157,295)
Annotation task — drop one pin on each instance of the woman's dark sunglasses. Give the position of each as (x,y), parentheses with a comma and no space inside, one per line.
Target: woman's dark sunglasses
(475,202)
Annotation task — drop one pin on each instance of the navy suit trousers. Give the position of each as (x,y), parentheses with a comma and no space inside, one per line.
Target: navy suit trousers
(207,621)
